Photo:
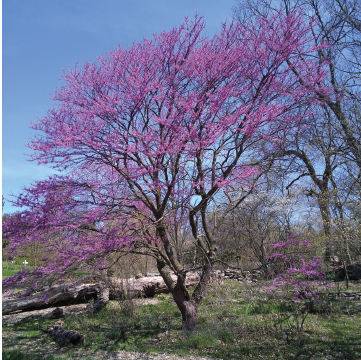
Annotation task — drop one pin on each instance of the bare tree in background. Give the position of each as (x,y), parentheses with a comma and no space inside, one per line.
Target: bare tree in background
(338,24)
(319,152)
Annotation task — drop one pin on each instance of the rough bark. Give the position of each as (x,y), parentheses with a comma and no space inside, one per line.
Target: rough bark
(181,296)
(187,307)
(189,311)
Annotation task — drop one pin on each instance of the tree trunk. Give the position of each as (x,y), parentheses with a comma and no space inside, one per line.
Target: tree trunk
(189,311)
(187,307)
(324,205)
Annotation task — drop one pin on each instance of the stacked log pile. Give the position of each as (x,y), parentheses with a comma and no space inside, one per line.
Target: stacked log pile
(346,295)
(244,276)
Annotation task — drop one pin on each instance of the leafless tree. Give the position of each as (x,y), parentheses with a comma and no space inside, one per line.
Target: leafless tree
(318,152)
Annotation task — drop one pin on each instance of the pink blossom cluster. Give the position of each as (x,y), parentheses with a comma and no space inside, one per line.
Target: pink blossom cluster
(303,275)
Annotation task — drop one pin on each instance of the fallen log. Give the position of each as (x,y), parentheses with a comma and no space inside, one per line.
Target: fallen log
(144,286)
(100,289)
(49,313)
(69,336)
(15,319)
(78,292)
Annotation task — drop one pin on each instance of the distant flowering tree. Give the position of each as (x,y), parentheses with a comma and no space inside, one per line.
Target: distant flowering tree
(300,273)
(154,132)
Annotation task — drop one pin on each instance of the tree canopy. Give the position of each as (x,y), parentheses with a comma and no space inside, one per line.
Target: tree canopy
(155,132)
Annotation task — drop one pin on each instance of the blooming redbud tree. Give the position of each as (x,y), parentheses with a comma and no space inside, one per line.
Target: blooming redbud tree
(303,274)
(158,130)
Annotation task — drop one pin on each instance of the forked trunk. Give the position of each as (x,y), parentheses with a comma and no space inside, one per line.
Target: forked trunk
(188,305)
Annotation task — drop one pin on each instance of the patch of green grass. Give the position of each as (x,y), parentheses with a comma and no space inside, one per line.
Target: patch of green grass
(9,269)
(234,323)
(8,272)
(225,334)
(79,273)
(200,341)
(264,307)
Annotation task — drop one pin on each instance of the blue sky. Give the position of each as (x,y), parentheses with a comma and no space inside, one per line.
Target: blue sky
(43,37)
